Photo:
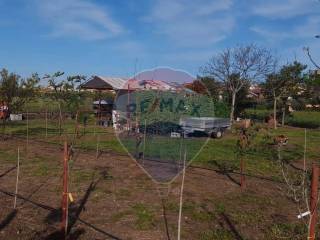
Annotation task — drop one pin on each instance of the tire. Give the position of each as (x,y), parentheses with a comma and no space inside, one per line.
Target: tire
(218,134)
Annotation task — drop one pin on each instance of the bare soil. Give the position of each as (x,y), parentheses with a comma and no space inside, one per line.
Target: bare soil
(115,199)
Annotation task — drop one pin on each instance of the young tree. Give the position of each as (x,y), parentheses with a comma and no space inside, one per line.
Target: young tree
(15,92)
(66,92)
(284,83)
(213,87)
(239,66)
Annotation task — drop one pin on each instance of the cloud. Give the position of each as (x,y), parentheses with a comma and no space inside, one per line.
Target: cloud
(303,31)
(78,18)
(192,23)
(270,35)
(284,9)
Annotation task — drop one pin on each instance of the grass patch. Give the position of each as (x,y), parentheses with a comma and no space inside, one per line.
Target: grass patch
(287,231)
(79,176)
(8,156)
(144,217)
(217,234)
(120,215)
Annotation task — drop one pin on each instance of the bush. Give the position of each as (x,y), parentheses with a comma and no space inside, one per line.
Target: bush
(304,119)
(257,114)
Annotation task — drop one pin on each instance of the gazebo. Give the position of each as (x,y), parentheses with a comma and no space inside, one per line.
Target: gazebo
(100,84)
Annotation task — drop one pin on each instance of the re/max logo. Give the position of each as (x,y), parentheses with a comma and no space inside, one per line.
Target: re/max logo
(165,105)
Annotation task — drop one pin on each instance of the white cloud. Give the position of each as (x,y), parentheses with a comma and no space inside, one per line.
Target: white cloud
(78,18)
(305,30)
(193,23)
(212,7)
(270,35)
(282,9)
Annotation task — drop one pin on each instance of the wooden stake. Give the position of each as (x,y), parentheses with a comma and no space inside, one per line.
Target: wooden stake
(242,177)
(181,194)
(144,140)
(128,110)
(60,120)
(17,180)
(46,123)
(313,201)
(64,207)
(97,150)
(27,130)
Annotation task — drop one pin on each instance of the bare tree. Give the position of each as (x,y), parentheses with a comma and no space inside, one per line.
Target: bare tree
(307,50)
(238,66)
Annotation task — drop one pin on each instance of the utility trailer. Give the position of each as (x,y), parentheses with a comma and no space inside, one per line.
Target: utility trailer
(212,126)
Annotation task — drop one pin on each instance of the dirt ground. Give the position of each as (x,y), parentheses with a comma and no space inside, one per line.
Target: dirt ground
(115,199)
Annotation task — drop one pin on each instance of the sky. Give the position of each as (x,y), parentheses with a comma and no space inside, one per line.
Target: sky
(120,38)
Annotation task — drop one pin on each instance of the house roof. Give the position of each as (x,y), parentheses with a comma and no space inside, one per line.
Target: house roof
(119,83)
(147,85)
(105,83)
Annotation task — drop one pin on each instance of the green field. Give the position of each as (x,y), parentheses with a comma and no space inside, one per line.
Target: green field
(303,119)
(261,157)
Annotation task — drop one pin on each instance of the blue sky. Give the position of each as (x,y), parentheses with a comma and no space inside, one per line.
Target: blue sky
(117,38)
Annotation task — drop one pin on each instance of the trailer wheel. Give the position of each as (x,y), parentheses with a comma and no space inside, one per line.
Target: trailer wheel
(218,134)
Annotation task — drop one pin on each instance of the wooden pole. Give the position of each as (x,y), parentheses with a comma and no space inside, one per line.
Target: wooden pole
(313,201)
(181,193)
(100,108)
(144,140)
(17,180)
(27,130)
(64,207)
(46,123)
(128,109)
(97,150)
(242,177)
(95,126)
(60,121)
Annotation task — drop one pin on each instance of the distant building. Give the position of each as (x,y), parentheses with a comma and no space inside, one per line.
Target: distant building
(255,92)
(124,84)
(105,83)
(314,72)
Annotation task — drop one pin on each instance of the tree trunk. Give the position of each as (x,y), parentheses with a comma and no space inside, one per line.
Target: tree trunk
(275,112)
(232,107)
(283,115)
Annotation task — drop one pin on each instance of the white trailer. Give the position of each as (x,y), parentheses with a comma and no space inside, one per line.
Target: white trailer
(212,126)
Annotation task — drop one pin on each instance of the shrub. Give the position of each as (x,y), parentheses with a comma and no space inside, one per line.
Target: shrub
(304,119)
